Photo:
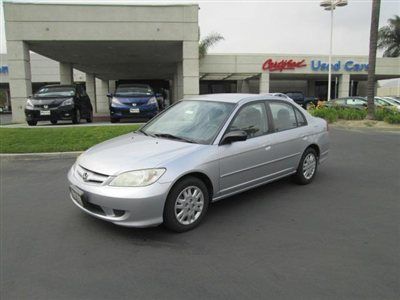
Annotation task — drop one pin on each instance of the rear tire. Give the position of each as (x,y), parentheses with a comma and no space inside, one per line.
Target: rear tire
(90,119)
(76,119)
(32,123)
(307,167)
(186,204)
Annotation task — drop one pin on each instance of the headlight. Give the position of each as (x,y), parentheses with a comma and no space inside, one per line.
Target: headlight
(152,100)
(29,104)
(137,178)
(115,101)
(67,102)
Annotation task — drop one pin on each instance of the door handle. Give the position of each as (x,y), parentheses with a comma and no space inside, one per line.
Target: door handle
(267,148)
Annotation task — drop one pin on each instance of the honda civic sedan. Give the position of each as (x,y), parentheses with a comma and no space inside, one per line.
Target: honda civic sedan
(199,150)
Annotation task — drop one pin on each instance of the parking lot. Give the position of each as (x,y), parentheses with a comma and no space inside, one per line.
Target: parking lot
(337,238)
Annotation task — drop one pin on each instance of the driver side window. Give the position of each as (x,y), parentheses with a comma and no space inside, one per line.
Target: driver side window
(251,119)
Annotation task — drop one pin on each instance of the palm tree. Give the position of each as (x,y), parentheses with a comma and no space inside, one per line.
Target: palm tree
(373,39)
(207,42)
(389,37)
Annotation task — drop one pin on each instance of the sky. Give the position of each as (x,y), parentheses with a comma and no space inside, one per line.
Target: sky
(274,26)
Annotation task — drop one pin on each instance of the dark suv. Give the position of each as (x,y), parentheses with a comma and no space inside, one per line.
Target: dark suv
(300,99)
(59,102)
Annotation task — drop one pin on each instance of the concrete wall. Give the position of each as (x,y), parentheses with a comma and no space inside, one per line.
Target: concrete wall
(51,23)
(252,63)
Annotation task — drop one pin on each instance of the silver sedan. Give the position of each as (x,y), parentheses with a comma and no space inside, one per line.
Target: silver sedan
(199,150)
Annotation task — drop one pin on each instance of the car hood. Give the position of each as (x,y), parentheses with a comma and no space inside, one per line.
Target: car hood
(134,99)
(133,152)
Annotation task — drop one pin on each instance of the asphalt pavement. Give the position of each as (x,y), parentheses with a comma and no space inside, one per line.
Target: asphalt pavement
(337,238)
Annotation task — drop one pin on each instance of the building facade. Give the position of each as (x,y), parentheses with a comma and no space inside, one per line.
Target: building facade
(102,45)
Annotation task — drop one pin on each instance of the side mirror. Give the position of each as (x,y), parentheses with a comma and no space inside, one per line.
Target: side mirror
(110,95)
(234,136)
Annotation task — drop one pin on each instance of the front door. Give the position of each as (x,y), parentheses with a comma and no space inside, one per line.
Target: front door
(243,164)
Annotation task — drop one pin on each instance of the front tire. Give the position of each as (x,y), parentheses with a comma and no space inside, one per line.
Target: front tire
(90,119)
(76,119)
(114,120)
(54,122)
(307,167)
(32,123)
(186,204)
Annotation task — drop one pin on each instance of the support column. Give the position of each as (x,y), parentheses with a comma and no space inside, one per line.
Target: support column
(66,73)
(243,86)
(91,90)
(344,85)
(179,81)
(264,83)
(101,96)
(19,78)
(190,68)
(112,84)
(311,88)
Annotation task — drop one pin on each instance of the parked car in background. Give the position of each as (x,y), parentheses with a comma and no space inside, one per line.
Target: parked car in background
(200,150)
(132,101)
(387,103)
(393,98)
(361,102)
(347,102)
(59,102)
(300,99)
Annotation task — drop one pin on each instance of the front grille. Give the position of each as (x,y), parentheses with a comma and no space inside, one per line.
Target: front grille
(46,106)
(90,176)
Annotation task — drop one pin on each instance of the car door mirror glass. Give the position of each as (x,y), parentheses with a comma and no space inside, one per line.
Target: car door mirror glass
(234,136)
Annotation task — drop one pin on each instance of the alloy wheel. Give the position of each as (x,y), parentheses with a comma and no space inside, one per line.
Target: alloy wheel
(189,205)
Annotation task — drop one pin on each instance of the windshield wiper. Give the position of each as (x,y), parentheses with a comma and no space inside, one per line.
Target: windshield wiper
(171,136)
(145,133)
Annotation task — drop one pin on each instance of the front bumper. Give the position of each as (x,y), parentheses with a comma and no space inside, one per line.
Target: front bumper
(126,206)
(145,111)
(57,113)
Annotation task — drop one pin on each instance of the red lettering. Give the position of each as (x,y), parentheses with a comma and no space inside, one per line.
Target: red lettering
(290,64)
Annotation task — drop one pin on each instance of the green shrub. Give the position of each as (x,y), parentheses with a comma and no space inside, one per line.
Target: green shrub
(327,113)
(390,116)
(380,114)
(351,113)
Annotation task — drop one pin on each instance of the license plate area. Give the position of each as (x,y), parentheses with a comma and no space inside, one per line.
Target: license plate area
(45,113)
(134,110)
(76,194)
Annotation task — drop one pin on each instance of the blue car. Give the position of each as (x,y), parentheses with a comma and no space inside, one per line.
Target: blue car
(133,101)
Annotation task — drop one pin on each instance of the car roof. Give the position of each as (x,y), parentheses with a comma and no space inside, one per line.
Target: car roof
(235,97)
(134,85)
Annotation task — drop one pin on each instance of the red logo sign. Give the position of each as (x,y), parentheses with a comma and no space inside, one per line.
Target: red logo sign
(284,64)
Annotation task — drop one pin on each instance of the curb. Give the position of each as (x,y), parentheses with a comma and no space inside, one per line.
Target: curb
(44,155)
(355,128)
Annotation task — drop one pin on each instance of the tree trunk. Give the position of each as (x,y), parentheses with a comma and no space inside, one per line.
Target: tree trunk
(373,39)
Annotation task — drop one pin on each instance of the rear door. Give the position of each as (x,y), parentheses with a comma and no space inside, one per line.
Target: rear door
(289,138)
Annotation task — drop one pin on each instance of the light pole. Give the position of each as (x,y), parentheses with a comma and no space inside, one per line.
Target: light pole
(331,5)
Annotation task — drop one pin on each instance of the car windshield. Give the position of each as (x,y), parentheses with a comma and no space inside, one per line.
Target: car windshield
(190,120)
(134,90)
(56,91)
(391,101)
